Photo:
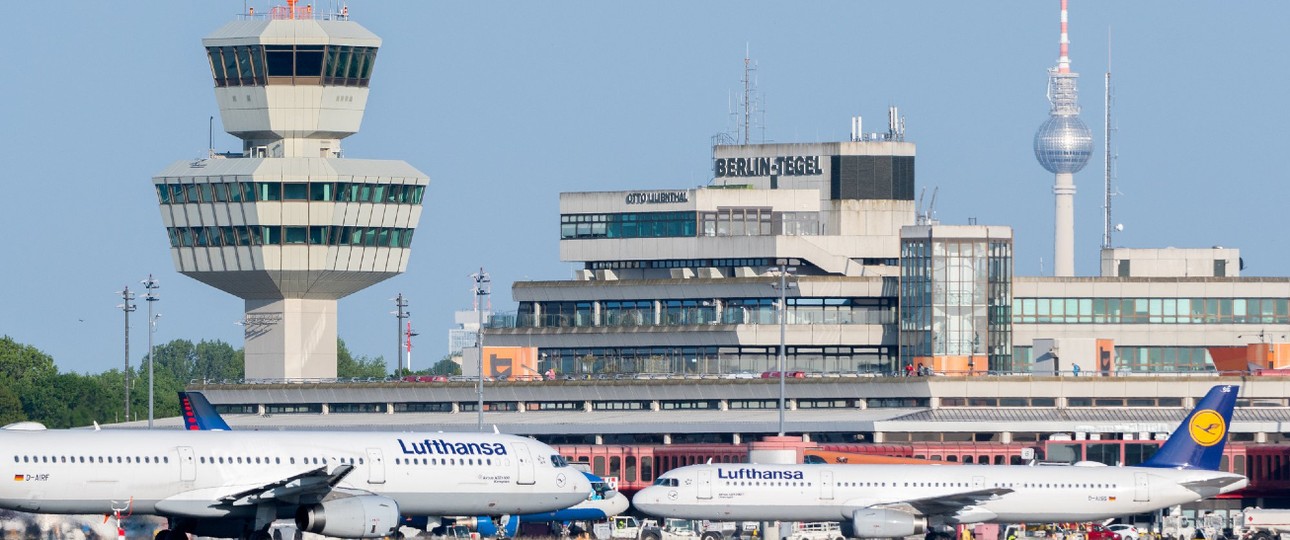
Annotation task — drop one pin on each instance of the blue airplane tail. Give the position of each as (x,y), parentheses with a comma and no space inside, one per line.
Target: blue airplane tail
(199,414)
(1198,442)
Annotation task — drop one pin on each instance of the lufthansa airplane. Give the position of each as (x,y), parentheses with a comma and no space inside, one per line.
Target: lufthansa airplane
(883,501)
(234,484)
(603,502)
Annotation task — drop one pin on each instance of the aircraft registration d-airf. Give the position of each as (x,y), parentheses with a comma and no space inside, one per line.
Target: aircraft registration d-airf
(883,501)
(236,483)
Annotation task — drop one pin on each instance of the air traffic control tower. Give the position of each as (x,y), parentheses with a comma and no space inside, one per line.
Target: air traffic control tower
(288,224)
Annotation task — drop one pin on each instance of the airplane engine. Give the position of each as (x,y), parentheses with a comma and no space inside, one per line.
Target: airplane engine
(365,516)
(485,526)
(880,523)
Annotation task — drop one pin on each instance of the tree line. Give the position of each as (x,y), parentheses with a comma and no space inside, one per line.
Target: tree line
(32,388)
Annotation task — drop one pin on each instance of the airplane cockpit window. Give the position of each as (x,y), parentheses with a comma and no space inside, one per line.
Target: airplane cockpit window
(668,482)
(559,461)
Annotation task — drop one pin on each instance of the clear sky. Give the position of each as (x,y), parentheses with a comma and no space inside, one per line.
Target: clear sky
(506,104)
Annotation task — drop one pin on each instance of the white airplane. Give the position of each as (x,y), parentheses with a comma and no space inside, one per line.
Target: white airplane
(234,484)
(884,501)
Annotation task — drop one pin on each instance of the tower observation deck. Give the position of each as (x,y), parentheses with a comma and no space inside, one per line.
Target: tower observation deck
(288,224)
(1063,145)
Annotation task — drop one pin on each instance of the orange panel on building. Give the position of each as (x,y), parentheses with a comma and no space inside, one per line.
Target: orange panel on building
(511,363)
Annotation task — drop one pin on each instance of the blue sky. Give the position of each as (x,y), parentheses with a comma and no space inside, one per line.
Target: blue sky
(505,105)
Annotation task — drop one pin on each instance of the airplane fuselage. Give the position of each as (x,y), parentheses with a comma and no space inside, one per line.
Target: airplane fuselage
(835,492)
(190,472)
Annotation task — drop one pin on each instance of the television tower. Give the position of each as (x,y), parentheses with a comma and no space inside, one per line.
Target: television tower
(287,223)
(1063,145)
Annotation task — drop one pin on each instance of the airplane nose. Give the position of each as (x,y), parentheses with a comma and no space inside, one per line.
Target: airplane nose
(617,504)
(647,500)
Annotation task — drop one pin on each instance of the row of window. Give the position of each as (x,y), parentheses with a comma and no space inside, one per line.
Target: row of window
(91,459)
(444,461)
(274,235)
(1152,310)
(673,312)
(678,263)
(257,65)
(264,460)
(725,222)
(226,192)
(1052,402)
(628,225)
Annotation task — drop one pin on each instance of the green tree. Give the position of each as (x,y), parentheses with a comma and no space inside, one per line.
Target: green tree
(445,366)
(10,407)
(348,367)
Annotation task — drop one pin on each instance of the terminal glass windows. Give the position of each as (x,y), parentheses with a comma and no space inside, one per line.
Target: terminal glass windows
(628,225)
(294,191)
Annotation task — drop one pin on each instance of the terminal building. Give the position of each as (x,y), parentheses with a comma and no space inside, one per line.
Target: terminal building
(685,281)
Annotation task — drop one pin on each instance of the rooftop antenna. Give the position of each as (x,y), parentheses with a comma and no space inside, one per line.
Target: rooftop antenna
(1109,159)
(748,103)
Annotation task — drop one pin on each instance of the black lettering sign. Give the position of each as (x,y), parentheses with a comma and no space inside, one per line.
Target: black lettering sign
(766,166)
(658,197)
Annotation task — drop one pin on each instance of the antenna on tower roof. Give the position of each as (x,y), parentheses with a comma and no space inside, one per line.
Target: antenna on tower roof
(1109,157)
(1063,58)
(749,104)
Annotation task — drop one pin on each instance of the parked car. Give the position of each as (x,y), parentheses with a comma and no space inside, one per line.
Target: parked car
(787,374)
(425,378)
(1097,531)
(1126,531)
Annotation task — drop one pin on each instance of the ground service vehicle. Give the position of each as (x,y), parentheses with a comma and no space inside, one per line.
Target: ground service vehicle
(813,530)
(671,529)
(624,528)
(1263,524)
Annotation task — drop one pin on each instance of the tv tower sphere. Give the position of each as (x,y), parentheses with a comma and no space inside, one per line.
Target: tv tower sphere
(1063,144)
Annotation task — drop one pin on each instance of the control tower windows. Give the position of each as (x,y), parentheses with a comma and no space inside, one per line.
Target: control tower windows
(258,235)
(257,65)
(289,191)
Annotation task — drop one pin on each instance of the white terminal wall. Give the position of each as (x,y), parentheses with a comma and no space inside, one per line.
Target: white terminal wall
(1171,262)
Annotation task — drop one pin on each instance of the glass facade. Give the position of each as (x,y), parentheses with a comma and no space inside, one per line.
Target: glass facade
(257,65)
(1153,310)
(628,225)
(609,362)
(956,299)
(677,312)
(1139,359)
(272,235)
(226,192)
(724,222)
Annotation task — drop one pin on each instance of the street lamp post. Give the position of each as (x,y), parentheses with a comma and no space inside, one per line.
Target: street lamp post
(481,291)
(783,286)
(151,285)
(127,307)
(400,314)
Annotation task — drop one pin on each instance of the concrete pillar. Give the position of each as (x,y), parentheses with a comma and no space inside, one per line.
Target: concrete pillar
(879,437)
(1064,225)
(667,438)
(389,408)
(600,439)
(326,409)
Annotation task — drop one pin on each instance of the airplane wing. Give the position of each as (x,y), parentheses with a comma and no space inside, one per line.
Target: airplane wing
(315,482)
(947,504)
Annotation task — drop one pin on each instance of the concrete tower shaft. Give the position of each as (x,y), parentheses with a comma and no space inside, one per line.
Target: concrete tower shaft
(287,224)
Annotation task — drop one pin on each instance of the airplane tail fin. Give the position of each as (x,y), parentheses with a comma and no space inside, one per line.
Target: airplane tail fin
(1198,442)
(199,414)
